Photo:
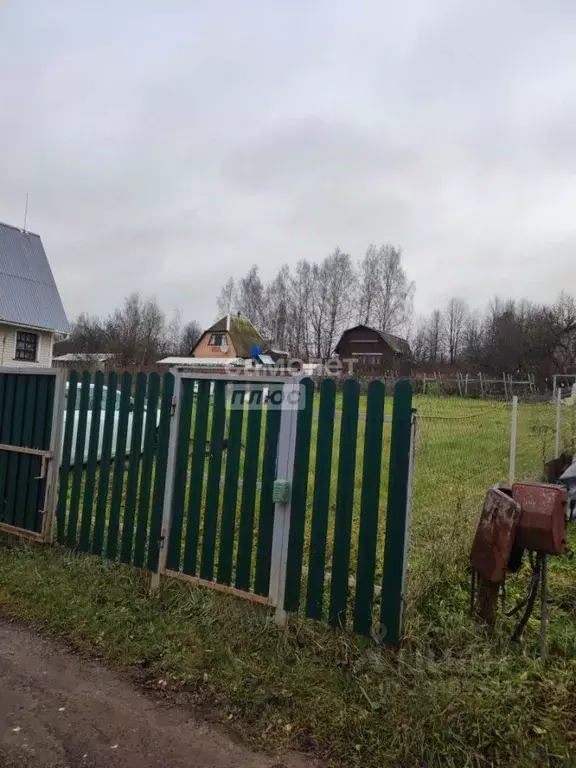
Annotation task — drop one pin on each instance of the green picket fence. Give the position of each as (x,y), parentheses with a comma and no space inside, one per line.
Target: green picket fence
(26,403)
(113,465)
(345,555)
(222,509)
(349,507)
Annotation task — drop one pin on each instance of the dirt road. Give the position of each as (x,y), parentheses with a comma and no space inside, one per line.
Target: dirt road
(61,711)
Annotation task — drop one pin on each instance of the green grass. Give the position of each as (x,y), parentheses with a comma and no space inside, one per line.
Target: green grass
(451,695)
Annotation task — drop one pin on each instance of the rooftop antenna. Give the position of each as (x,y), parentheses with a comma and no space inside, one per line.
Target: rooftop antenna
(25,212)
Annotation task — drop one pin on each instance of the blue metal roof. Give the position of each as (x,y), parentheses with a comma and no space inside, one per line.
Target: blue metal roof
(28,293)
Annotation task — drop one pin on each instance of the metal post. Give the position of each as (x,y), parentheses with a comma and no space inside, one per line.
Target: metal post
(554,387)
(466,387)
(505,388)
(513,435)
(408,509)
(53,475)
(169,485)
(558,422)
(282,511)
(543,606)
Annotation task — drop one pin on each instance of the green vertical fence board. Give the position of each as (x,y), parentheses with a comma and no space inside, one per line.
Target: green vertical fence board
(174,556)
(249,480)
(79,452)
(12,500)
(160,471)
(49,412)
(42,485)
(266,516)
(66,456)
(395,544)
(33,520)
(4,432)
(213,484)
(133,469)
(344,504)
(25,484)
(369,504)
(150,433)
(105,460)
(321,500)
(299,499)
(230,496)
(197,476)
(95,413)
(119,461)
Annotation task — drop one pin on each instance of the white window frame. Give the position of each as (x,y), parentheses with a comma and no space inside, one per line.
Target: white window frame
(223,339)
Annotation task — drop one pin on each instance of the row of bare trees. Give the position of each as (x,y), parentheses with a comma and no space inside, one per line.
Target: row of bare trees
(510,336)
(137,334)
(305,308)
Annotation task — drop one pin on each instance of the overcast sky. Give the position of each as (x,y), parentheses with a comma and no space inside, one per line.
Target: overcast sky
(166,146)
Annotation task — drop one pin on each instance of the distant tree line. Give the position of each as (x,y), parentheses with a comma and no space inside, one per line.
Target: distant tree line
(510,336)
(137,334)
(305,308)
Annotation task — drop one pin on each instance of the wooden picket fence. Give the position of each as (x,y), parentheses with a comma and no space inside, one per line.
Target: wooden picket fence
(174,479)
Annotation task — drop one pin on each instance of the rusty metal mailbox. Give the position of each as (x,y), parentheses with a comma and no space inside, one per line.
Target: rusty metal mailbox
(495,535)
(542,526)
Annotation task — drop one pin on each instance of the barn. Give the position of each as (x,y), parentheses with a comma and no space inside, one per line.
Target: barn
(374,350)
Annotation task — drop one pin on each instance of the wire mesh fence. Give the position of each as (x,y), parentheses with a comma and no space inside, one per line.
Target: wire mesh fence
(463,447)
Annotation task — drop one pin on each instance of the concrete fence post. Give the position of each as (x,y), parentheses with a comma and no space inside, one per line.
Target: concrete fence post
(558,422)
(169,485)
(513,438)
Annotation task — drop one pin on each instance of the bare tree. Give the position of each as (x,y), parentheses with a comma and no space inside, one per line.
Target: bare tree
(369,285)
(394,304)
(419,341)
(251,299)
(318,308)
(340,279)
(435,336)
(227,300)
(136,334)
(301,289)
(191,334)
(455,316)
(87,335)
(384,291)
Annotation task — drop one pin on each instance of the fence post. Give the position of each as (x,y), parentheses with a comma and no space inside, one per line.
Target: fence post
(398,516)
(558,422)
(513,438)
(53,475)
(169,484)
(413,428)
(284,471)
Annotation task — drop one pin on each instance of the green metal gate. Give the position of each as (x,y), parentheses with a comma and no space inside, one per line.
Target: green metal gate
(219,511)
(301,504)
(29,445)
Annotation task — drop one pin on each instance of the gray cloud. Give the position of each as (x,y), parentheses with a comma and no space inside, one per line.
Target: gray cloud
(164,148)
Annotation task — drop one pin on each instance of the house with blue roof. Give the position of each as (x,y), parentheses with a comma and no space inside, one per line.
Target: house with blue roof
(31,310)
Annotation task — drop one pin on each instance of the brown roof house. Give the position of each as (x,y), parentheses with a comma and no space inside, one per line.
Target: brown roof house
(375,350)
(233,338)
